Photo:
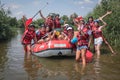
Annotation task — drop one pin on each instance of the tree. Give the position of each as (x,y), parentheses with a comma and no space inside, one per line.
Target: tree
(112,30)
(6,23)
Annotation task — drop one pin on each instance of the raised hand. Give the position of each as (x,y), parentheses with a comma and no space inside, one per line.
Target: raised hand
(100,18)
(109,12)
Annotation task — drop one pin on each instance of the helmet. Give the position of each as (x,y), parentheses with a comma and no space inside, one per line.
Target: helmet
(69,28)
(66,25)
(31,25)
(97,20)
(51,14)
(57,15)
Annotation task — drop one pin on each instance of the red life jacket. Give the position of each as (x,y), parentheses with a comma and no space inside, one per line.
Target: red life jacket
(83,39)
(96,32)
(70,36)
(91,24)
(39,36)
(49,22)
(28,36)
(65,30)
(57,23)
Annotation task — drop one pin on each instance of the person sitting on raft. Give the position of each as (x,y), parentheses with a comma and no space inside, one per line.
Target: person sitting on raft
(69,36)
(57,22)
(27,37)
(70,33)
(48,21)
(65,28)
(44,34)
(40,33)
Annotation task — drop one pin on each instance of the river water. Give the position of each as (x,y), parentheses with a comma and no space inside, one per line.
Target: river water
(15,66)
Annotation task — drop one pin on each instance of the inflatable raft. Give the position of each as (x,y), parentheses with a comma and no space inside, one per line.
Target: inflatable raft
(57,48)
(53,48)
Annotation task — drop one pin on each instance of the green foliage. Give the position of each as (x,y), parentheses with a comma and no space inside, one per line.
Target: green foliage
(6,24)
(38,22)
(112,30)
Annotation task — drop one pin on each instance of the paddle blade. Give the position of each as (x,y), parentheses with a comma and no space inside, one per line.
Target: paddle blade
(28,22)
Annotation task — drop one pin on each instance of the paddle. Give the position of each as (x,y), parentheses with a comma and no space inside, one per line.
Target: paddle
(40,9)
(29,21)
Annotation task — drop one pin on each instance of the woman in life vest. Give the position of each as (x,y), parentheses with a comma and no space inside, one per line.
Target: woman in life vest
(27,37)
(48,21)
(83,43)
(48,34)
(91,19)
(57,21)
(70,33)
(91,24)
(40,33)
(69,36)
(97,34)
(64,28)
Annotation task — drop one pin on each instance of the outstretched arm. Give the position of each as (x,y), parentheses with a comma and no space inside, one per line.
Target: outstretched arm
(104,23)
(108,12)
(76,24)
(42,15)
(24,20)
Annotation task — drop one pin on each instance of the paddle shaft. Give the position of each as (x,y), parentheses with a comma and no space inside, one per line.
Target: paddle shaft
(39,10)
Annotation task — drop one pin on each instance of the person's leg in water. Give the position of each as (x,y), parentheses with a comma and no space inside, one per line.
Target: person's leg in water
(106,42)
(25,49)
(78,55)
(97,49)
(83,52)
(28,51)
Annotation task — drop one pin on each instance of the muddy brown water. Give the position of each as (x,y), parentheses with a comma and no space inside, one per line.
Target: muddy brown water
(15,66)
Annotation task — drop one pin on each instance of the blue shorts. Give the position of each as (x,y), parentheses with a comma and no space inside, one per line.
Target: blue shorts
(82,47)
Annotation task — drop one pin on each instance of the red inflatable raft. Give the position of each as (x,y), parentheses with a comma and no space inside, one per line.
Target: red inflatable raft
(53,48)
(56,48)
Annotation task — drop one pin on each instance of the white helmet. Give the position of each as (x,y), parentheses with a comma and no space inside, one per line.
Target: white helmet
(66,25)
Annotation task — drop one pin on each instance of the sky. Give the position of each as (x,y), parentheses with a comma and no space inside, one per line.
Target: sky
(63,7)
